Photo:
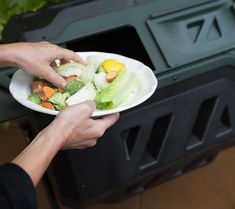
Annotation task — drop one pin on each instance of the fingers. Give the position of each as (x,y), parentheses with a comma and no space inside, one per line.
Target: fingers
(91,105)
(108,121)
(67,55)
(87,107)
(84,109)
(50,75)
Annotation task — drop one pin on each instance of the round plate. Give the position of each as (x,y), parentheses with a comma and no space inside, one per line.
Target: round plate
(21,82)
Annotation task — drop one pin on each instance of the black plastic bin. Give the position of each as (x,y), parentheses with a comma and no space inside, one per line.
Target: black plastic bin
(183,126)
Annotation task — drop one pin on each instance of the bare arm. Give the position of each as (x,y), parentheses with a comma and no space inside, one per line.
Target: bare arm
(72,129)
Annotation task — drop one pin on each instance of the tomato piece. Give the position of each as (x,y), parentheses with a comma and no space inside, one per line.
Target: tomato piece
(111,76)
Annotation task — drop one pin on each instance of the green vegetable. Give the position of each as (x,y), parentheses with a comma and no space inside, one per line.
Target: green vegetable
(73,86)
(125,85)
(87,92)
(33,97)
(58,100)
(99,69)
(104,105)
(9,8)
(68,69)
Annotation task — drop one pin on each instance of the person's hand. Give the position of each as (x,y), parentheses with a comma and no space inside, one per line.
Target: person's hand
(75,128)
(37,58)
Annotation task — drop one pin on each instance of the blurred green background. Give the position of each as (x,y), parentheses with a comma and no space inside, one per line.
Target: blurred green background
(10,8)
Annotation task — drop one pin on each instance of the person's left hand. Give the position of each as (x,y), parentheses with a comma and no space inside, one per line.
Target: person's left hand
(37,58)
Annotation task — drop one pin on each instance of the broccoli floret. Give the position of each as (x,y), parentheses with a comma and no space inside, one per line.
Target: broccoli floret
(33,97)
(58,100)
(74,86)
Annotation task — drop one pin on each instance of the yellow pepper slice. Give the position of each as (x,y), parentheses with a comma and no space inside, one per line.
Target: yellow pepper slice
(112,65)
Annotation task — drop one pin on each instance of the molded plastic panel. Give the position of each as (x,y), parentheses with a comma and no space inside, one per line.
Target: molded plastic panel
(196,33)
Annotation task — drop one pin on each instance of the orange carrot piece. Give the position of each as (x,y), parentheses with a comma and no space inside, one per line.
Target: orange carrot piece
(48,91)
(111,76)
(45,92)
(47,105)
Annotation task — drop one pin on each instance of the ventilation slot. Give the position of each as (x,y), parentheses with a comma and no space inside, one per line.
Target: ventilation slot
(194,30)
(201,123)
(224,126)
(153,149)
(129,137)
(214,31)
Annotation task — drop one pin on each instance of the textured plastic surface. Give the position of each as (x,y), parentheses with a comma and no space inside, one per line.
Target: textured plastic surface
(147,139)
(196,33)
(58,17)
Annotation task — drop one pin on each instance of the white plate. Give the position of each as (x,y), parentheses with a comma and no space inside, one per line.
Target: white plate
(21,82)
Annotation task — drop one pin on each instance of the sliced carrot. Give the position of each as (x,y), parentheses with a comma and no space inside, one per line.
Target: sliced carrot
(36,85)
(70,78)
(45,92)
(111,76)
(47,105)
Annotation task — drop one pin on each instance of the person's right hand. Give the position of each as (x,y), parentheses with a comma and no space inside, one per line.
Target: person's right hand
(75,128)
(37,58)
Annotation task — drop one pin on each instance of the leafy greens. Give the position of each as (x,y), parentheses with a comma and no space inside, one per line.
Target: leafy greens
(9,8)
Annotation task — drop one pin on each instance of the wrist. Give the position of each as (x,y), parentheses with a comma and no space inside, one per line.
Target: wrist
(54,134)
(8,55)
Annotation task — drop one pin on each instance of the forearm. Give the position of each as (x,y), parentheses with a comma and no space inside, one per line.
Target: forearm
(37,156)
(8,55)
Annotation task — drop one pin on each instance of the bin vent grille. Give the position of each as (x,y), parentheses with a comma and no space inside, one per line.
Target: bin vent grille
(156,140)
(224,125)
(214,31)
(195,29)
(202,29)
(202,122)
(130,137)
(203,32)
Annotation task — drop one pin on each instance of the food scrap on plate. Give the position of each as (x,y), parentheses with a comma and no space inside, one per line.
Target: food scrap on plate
(107,82)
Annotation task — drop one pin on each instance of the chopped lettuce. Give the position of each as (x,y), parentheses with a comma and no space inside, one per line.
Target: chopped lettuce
(68,69)
(125,85)
(33,97)
(73,86)
(93,60)
(88,73)
(102,105)
(100,80)
(87,92)
(58,100)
